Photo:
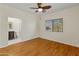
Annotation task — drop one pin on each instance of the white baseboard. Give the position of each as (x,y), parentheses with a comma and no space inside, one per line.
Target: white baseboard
(72,44)
(19,40)
(10,42)
(3,46)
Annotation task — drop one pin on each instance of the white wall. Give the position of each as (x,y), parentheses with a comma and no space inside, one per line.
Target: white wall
(3,31)
(70,34)
(29,24)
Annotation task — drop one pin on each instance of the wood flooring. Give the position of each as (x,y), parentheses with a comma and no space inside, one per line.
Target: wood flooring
(39,47)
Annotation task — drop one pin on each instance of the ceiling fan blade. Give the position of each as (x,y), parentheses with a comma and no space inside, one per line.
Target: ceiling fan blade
(39,5)
(33,8)
(46,7)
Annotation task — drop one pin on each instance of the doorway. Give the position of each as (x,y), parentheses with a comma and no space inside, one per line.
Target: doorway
(14,25)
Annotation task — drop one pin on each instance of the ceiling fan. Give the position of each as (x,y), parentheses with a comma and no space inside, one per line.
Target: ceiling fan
(41,8)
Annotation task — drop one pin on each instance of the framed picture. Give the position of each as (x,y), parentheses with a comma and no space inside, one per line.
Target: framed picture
(54,25)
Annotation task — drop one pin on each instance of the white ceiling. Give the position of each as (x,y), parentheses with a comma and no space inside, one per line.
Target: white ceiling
(55,6)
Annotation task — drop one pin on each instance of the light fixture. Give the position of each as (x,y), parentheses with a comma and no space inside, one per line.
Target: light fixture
(40,9)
